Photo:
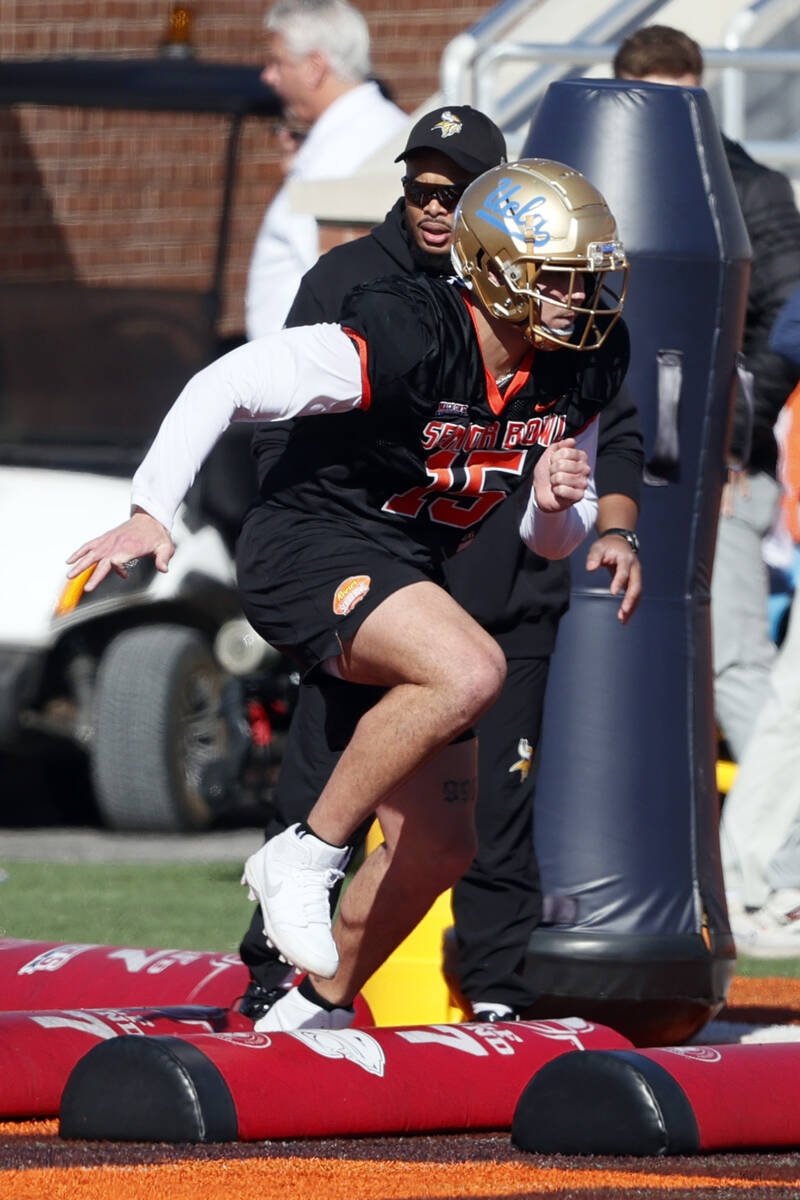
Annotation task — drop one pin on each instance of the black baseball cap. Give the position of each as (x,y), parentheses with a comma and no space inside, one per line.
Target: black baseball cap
(463,134)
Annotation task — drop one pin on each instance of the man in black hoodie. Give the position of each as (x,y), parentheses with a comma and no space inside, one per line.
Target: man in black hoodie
(743,648)
(516,595)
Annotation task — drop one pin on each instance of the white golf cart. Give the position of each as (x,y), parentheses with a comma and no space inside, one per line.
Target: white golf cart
(157,678)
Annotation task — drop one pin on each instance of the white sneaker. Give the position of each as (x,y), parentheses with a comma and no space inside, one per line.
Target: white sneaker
(772,931)
(294,1011)
(483,1010)
(291,877)
(739,920)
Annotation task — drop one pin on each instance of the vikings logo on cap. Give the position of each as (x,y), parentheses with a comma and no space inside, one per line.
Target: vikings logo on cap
(448,124)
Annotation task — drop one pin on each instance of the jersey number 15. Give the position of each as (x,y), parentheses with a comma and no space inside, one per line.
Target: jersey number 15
(467,480)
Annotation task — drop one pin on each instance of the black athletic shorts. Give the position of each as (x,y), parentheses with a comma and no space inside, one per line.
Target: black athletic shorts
(307,583)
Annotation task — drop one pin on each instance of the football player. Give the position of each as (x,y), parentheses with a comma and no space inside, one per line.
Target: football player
(428,405)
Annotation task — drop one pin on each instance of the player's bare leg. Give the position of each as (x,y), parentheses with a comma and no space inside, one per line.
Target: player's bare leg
(442,671)
(428,825)
(429,841)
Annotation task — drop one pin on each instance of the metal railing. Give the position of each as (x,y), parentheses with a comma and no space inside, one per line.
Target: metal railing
(462,56)
(473,62)
(514,109)
(759,22)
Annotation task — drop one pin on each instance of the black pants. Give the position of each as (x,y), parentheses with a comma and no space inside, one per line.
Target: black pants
(497,904)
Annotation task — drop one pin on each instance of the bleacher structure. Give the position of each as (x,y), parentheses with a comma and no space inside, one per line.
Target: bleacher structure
(504,63)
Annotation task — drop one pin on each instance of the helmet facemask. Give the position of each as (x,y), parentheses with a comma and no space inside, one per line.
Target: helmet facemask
(594,299)
(509,251)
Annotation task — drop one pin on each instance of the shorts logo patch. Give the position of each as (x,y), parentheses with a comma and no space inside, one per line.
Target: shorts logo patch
(349,592)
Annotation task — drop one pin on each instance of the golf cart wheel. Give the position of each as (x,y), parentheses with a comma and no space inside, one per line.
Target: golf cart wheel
(157,726)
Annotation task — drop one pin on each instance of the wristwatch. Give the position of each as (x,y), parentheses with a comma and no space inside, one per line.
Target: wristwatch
(630,537)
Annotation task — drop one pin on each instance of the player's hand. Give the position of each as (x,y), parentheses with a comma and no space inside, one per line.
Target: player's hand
(561,475)
(137,537)
(623,563)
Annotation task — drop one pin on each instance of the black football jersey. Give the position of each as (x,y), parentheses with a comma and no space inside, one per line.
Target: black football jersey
(436,446)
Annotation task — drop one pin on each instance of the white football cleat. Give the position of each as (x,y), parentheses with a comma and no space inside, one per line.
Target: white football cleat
(291,877)
(294,1011)
(772,931)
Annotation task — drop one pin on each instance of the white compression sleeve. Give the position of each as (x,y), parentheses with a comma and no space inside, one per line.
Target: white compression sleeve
(555,535)
(296,372)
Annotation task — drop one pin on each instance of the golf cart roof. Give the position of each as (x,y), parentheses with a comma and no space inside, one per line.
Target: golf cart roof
(153,84)
(89,369)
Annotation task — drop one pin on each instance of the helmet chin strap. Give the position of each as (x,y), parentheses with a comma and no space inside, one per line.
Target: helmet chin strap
(540,343)
(533,334)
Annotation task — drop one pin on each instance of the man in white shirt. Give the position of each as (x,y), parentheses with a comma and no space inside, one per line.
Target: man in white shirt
(318,63)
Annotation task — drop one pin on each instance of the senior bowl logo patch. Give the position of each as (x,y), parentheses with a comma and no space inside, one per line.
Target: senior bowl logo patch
(349,593)
(448,124)
(450,408)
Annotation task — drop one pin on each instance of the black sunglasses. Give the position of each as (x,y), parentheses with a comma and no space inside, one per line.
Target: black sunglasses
(420,194)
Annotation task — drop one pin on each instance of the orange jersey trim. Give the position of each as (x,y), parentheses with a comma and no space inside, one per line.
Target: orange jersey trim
(498,400)
(361,346)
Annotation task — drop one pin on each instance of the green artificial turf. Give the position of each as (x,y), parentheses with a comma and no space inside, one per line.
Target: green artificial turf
(187,906)
(768,968)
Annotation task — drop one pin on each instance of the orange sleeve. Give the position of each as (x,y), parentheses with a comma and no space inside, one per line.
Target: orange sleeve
(361,346)
(791,468)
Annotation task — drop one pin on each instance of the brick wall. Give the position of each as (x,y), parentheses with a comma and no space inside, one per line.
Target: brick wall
(116,197)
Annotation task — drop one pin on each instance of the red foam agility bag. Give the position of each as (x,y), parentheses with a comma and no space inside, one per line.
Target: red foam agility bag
(45,975)
(763,1079)
(39,1049)
(313,1083)
(37,975)
(672,1100)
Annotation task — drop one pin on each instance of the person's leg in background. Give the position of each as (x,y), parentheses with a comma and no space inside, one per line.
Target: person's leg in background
(760,827)
(743,651)
(497,903)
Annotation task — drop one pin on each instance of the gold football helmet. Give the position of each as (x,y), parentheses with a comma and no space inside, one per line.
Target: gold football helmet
(519,223)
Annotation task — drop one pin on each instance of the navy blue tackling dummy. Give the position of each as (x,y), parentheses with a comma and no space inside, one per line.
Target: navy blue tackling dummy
(638,932)
(448,398)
